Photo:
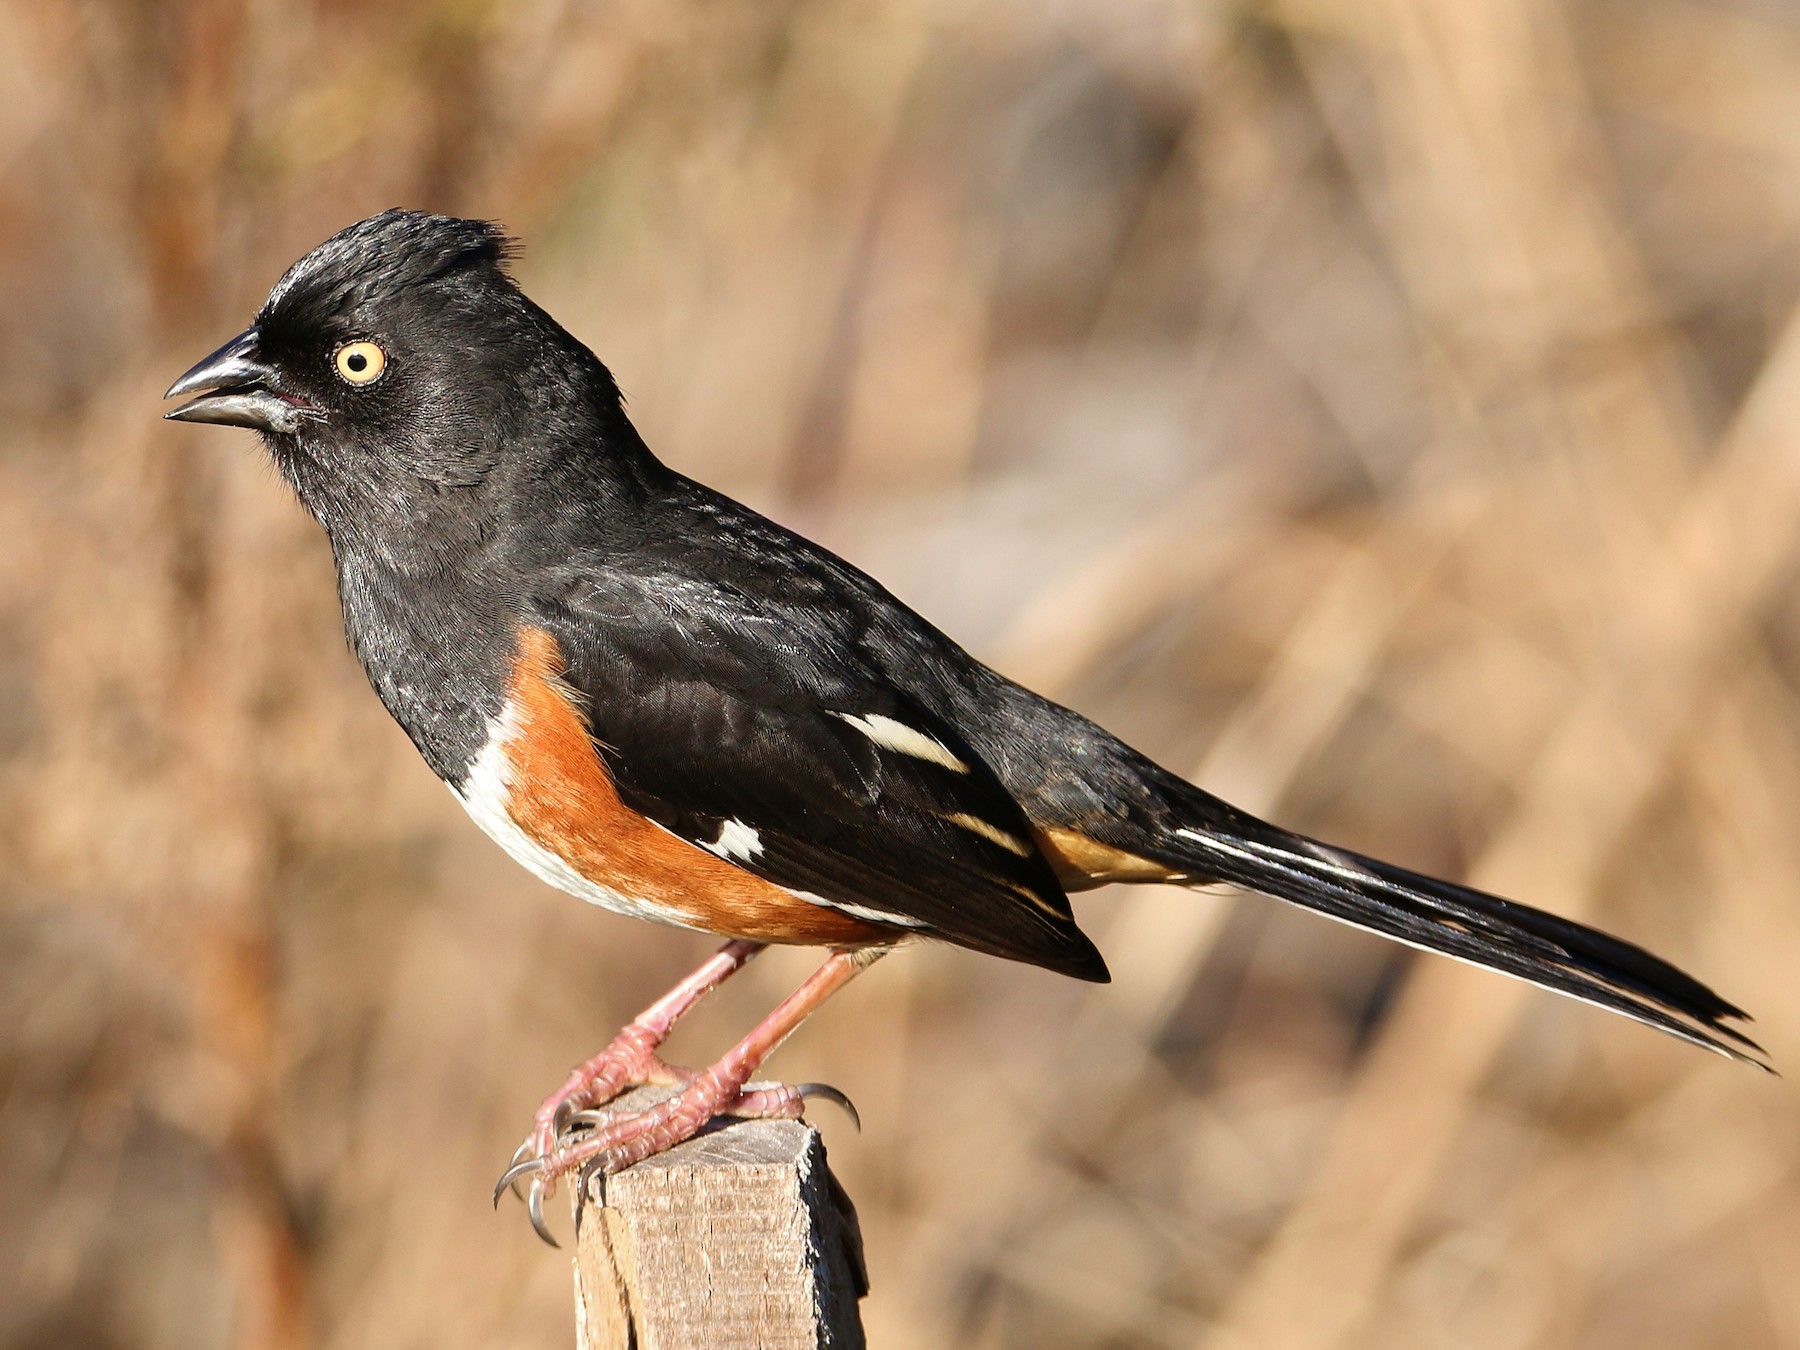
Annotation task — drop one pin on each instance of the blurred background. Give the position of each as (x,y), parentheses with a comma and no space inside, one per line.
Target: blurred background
(1386,411)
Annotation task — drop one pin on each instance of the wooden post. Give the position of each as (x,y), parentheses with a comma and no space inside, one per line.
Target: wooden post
(740,1239)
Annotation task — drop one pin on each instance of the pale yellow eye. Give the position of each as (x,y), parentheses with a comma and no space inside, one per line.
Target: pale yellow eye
(360,362)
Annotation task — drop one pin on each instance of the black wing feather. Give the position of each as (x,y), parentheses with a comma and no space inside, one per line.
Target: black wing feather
(708,708)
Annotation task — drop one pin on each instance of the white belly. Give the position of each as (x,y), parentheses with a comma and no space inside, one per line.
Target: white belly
(484,795)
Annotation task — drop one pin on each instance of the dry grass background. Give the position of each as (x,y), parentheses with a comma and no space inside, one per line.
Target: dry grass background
(1388,410)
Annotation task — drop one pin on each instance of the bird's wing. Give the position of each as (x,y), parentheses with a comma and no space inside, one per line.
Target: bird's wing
(755,731)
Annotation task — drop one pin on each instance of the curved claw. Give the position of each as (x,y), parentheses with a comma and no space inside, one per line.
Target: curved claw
(520,1153)
(594,1166)
(535,1208)
(559,1120)
(519,1169)
(826,1092)
(587,1120)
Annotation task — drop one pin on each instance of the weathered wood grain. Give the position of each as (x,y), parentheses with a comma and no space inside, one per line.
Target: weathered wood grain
(738,1239)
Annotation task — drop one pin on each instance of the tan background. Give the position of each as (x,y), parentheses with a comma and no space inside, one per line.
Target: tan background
(1387,410)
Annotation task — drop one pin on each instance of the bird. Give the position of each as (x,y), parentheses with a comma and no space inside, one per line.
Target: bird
(660,701)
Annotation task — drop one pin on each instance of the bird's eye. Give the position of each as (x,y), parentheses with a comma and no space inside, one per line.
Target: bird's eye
(360,362)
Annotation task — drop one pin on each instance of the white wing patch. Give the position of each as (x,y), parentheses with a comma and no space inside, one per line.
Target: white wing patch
(856,911)
(897,736)
(736,840)
(992,833)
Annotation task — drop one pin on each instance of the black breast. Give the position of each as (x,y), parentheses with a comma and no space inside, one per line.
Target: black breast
(438,649)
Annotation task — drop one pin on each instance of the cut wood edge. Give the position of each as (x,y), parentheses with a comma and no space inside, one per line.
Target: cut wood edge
(738,1238)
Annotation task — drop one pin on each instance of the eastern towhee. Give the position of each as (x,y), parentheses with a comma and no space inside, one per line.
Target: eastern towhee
(662,702)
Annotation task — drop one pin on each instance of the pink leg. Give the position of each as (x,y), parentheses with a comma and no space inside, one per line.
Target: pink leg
(719,1090)
(631,1059)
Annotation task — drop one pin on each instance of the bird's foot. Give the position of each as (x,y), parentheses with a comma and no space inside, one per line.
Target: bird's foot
(630,1061)
(573,1135)
(589,1141)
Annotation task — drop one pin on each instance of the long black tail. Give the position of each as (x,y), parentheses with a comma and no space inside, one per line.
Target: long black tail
(1470,925)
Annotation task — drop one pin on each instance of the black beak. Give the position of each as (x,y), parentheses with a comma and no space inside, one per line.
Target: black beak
(240,391)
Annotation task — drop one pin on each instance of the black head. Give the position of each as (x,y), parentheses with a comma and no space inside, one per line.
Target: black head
(392,370)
